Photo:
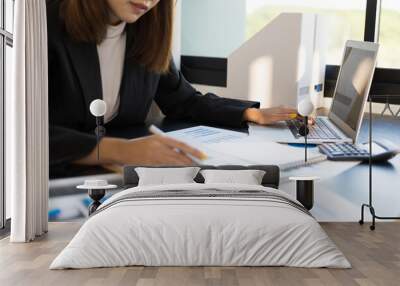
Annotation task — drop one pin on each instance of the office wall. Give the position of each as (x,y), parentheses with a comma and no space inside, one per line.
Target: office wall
(219,26)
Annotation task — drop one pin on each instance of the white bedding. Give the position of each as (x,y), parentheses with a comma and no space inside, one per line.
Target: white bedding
(200,231)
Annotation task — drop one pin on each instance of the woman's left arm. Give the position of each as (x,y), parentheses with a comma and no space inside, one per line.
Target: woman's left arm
(178,99)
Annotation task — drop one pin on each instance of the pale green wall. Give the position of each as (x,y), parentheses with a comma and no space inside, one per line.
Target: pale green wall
(212,28)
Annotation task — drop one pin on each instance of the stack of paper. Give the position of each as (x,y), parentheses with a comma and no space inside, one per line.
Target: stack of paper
(206,135)
(235,148)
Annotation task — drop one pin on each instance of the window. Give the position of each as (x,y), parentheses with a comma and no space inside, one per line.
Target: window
(212,29)
(389,34)
(218,26)
(344,19)
(205,33)
(6,42)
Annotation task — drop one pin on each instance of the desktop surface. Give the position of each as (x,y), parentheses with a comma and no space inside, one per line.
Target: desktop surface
(343,186)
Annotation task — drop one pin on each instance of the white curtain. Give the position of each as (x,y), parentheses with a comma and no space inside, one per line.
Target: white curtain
(27,124)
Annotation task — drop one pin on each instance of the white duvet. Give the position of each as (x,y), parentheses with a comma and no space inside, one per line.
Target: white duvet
(205,231)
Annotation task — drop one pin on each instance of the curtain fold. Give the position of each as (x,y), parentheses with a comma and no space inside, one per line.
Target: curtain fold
(27,124)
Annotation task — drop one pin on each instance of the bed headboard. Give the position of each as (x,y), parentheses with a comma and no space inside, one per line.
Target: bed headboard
(271,178)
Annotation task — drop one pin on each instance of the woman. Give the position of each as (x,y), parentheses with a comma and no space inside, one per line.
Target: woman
(120,50)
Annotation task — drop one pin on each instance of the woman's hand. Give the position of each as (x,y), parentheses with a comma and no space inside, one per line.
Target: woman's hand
(152,150)
(268,116)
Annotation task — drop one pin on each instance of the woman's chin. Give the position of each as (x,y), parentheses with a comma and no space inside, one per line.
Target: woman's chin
(132,18)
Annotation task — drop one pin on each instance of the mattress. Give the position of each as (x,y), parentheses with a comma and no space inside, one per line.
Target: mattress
(201,225)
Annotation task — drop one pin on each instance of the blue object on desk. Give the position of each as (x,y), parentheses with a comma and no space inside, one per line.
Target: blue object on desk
(301,145)
(54,214)
(319,87)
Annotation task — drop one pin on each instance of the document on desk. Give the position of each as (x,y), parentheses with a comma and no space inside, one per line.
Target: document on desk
(256,151)
(206,135)
(224,147)
(201,137)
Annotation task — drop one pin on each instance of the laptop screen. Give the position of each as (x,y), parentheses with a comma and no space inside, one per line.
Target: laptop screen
(355,75)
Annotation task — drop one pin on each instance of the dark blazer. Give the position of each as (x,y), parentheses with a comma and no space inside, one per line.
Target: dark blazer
(75,81)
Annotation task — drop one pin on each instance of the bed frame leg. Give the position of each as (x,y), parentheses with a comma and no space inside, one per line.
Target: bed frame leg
(96,196)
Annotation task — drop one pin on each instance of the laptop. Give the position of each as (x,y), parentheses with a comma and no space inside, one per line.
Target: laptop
(351,93)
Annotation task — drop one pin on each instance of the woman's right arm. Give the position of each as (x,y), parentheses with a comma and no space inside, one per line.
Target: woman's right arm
(146,151)
(67,145)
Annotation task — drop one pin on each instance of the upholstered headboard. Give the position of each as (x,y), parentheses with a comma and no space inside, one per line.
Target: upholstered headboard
(271,178)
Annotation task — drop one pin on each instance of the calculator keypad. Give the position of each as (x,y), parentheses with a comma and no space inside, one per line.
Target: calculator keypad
(343,151)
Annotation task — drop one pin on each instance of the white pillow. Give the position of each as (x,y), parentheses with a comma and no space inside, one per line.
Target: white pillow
(246,177)
(166,176)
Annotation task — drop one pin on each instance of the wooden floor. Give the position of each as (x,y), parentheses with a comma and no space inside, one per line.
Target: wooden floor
(375,257)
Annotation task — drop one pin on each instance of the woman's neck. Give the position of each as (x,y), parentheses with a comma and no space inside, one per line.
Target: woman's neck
(114,20)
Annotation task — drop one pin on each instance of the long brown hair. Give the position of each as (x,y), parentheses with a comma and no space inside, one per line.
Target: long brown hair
(87,20)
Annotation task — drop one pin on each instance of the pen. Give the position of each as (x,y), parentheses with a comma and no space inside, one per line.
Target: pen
(156,131)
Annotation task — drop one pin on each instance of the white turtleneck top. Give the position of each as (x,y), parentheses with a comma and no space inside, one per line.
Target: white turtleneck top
(111,56)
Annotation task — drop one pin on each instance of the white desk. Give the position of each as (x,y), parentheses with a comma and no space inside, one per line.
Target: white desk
(343,188)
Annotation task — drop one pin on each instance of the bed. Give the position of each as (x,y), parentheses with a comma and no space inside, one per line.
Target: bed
(198,224)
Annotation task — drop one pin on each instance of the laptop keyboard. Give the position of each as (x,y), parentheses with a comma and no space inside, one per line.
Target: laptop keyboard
(320,130)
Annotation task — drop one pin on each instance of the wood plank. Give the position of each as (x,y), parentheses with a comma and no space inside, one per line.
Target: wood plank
(375,257)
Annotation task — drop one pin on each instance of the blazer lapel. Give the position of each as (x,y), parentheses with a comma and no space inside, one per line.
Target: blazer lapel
(131,90)
(85,61)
